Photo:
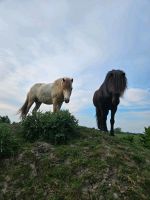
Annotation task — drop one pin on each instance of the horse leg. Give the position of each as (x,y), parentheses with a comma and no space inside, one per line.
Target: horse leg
(102,119)
(98,118)
(112,120)
(37,105)
(56,106)
(59,106)
(28,107)
(105,113)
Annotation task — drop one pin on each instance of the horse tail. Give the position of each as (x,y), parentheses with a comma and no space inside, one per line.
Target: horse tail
(23,109)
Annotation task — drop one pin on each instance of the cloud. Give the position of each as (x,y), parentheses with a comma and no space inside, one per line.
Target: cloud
(136,97)
(133,121)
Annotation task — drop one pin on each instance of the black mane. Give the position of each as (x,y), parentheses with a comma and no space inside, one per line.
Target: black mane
(114,83)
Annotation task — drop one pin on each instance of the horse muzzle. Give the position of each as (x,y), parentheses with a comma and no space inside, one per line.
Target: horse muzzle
(66,100)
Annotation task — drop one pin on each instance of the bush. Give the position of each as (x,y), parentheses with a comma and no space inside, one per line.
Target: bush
(145,138)
(4,119)
(52,127)
(9,145)
(129,138)
(117,130)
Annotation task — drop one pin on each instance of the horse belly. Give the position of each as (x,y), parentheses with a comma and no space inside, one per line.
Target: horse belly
(46,100)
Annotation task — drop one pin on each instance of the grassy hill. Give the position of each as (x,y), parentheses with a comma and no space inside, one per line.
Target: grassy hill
(94,166)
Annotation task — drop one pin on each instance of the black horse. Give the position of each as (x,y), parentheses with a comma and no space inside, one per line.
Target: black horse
(107,98)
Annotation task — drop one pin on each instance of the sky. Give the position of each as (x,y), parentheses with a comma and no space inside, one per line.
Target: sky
(41,41)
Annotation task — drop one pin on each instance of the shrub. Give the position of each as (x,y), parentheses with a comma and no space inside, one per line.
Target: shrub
(4,119)
(129,138)
(52,127)
(118,130)
(32,127)
(145,138)
(9,145)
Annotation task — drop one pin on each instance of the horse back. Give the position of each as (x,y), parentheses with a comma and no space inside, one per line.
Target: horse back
(41,92)
(35,88)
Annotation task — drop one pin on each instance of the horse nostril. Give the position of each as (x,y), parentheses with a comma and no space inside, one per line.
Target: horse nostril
(66,100)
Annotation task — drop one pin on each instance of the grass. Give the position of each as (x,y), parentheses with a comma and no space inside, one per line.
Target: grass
(92,167)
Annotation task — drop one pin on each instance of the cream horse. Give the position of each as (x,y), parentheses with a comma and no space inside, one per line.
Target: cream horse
(52,93)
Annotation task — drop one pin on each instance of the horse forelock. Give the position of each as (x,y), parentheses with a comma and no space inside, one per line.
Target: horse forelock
(63,84)
(67,83)
(116,82)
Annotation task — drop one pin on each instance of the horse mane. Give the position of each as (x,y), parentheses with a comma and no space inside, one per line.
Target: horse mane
(57,82)
(114,83)
(58,86)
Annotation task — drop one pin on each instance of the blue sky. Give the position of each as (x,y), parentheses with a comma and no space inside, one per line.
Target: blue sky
(41,41)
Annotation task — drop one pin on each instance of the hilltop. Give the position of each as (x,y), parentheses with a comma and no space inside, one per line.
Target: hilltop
(94,166)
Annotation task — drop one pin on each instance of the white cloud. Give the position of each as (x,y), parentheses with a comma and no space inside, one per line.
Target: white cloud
(136,97)
(133,121)
(4,106)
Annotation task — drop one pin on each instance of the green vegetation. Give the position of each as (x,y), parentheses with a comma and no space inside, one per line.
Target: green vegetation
(55,128)
(4,119)
(9,144)
(145,138)
(117,130)
(92,166)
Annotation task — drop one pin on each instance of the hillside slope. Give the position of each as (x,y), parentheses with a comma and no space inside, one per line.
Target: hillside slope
(93,167)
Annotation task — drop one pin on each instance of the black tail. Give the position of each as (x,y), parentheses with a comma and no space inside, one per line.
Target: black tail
(23,110)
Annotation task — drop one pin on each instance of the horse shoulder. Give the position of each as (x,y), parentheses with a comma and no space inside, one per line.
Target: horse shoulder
(57,93)
(56,89)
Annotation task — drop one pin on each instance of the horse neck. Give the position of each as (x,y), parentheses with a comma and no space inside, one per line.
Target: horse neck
(115,99)
(57,87)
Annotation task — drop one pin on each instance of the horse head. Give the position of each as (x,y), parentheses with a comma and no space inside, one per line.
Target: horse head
(67,88)
(116,82)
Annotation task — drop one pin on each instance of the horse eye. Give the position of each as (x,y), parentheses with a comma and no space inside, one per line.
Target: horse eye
(123,74)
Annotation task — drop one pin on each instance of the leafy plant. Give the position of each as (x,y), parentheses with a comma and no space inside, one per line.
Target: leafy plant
(9,145)
(53,127)
(117,130)
(4,119)
(145,138)
(129,138)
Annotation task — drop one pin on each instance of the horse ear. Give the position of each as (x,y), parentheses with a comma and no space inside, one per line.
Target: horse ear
(63,79)
(72,80)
